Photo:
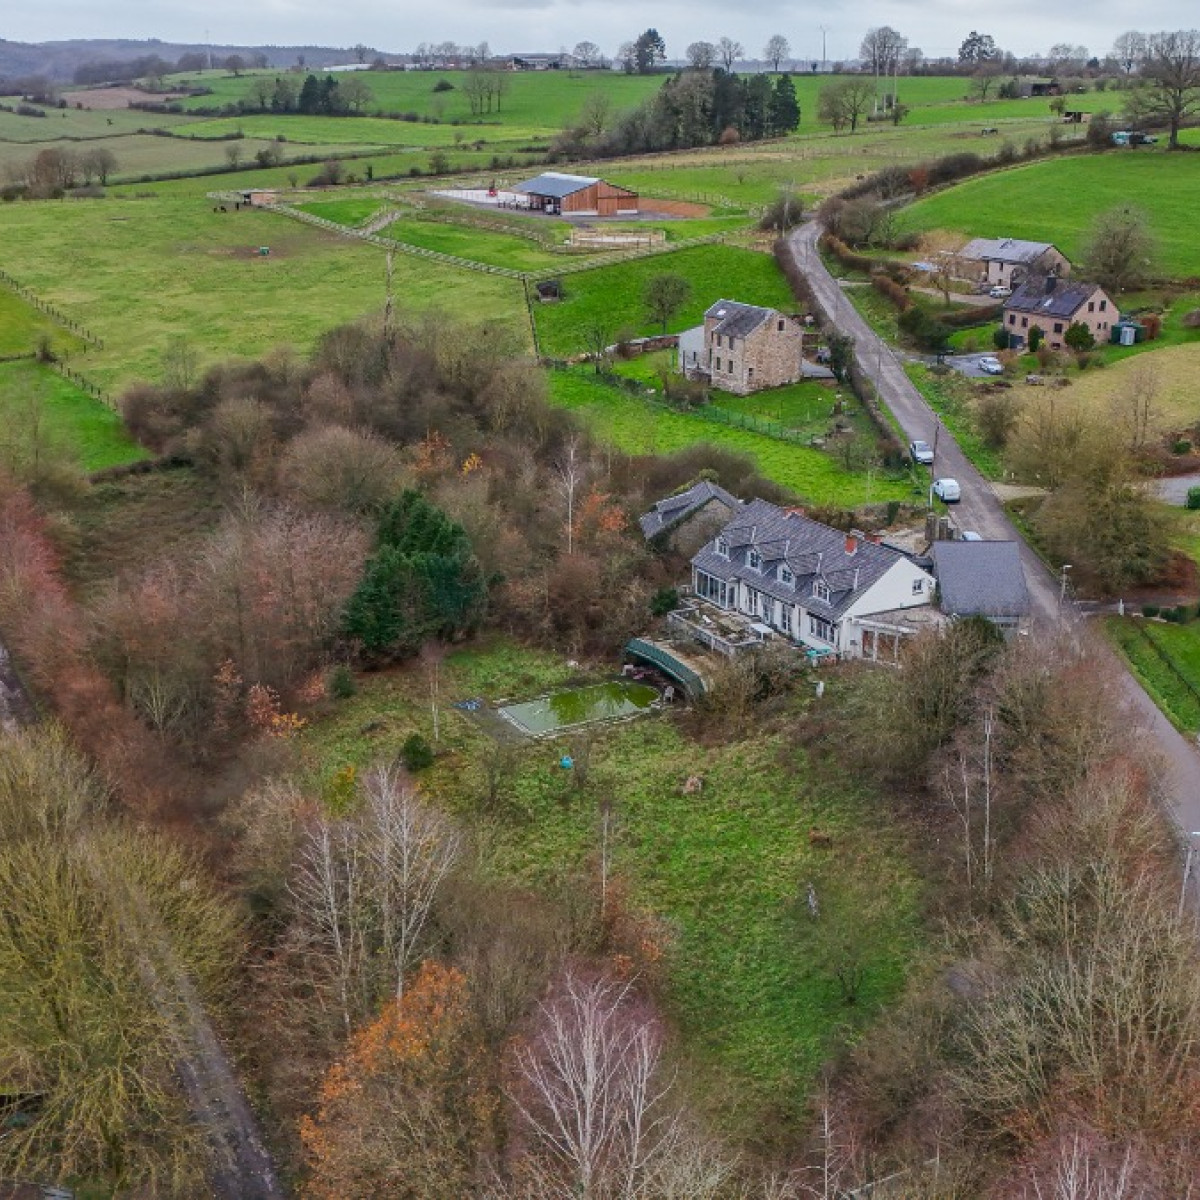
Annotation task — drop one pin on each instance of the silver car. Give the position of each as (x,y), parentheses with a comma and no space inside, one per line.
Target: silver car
(921,452)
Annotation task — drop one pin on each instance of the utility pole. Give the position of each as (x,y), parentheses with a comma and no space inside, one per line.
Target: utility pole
(824,30)
(1187,869)
(1062,584)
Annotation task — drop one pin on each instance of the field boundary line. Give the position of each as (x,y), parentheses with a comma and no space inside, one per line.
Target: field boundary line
(49,310)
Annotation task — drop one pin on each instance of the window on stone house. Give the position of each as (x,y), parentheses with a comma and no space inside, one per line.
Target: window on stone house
(1058,327)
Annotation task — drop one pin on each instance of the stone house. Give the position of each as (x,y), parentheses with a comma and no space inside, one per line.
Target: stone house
(1054,305)
(685,521)
(742,348)
(1008,261)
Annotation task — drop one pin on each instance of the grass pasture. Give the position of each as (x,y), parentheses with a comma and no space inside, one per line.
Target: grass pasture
(1057,200)
(143,271)
(613,294)
(478,245)
(1166,660)
(639,426)
(748,975)
(23,327)
(35,397)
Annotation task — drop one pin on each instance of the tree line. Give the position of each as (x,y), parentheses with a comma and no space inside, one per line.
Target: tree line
(693,108)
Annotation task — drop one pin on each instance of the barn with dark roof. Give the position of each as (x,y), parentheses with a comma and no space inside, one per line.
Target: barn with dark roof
(583,195)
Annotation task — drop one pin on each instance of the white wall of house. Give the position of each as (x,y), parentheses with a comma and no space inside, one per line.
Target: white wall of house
(903,586)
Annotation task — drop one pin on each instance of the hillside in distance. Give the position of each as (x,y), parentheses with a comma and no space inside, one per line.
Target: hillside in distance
(59,60)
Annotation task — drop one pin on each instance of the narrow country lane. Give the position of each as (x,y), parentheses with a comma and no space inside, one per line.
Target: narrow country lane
(982,511)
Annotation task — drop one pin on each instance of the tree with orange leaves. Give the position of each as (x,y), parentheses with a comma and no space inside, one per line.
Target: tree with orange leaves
(404,1112)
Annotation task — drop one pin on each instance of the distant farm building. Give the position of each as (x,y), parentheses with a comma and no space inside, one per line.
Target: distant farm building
(554,192)
(1007,261)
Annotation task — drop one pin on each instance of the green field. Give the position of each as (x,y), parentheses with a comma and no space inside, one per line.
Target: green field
(748,974)
(1056,201)
(70,420)
(144,271)
(613,295)
(377,131)
(1172,689)
(24,327)
(478,245)
(540,100)
(639,426)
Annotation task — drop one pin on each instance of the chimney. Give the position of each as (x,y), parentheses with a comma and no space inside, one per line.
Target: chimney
(852,542)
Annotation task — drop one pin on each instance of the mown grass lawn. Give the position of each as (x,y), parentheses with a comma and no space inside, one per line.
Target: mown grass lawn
(1172,690)
(749,976)
(638,426)
(347,210)
(71,420)
(614,295)
(1057,201)
(141,272)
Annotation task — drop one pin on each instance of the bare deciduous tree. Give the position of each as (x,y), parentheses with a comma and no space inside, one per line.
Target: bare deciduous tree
(701,55)
(364,888)
(591,1092)
(570,473)
(776,50)
(411,848)
(729,51)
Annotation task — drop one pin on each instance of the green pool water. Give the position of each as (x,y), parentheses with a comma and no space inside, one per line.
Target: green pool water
(580,706)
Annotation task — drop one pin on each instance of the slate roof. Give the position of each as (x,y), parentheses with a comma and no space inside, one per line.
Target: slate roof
(736,319)
(981,579)
(1051,297)
(556,184)
(810,550)
(1005,250)
(669,512)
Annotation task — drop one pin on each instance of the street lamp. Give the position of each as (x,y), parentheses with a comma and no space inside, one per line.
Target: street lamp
(1062,584)
(1187,867)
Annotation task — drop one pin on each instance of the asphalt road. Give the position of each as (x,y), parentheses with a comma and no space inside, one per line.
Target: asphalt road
(983,512)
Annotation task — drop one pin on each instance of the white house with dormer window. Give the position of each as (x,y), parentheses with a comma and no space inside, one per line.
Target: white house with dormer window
(818,587)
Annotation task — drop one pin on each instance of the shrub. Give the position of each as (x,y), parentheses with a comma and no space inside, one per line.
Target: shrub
(888,287)
(416,753)
(1079,336)
(1191,320)
(1000,337)
(663,601)
(1193,498)
(341,684)
(1150,610)
(1152,322)
(1037,335)
(1183,446)
(443,85)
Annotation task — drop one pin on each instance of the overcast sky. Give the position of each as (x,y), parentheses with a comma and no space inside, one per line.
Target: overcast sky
(937,26)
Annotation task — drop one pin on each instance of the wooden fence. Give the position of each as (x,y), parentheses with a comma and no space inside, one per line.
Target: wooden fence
(55,314)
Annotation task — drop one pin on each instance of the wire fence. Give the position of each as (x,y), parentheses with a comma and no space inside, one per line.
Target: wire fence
(46,309)
(84,383)
(467,264)
(1165,659)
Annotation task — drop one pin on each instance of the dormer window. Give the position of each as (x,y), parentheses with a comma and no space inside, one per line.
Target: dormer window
(722,547)
(754,560)
(786,576)
(820,590)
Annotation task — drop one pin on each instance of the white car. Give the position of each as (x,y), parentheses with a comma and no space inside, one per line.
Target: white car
(991,365)
(969,535)
(947,490)
(921,452)
(1000,292)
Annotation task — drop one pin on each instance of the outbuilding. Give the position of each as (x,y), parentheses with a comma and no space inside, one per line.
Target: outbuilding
(584,195)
